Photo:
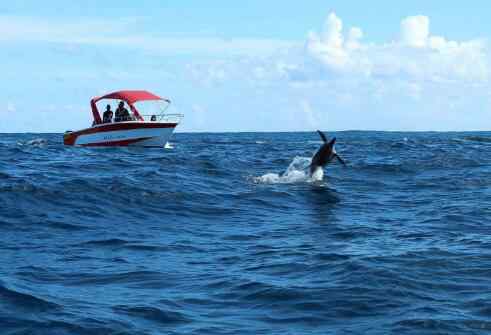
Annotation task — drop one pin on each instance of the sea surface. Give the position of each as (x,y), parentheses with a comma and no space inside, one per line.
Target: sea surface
(227,234)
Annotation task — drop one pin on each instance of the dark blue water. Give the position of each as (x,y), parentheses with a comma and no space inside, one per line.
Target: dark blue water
(210,238)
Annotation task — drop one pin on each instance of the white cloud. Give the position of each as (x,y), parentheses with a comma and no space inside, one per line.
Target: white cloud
(333,53)
(341,81)
(415,31)
(124,33)
(328,46)
(354,37)
(11,107)
(417,55)
(332,34)
(18,29)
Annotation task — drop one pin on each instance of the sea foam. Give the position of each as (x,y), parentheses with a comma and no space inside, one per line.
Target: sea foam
(297,172)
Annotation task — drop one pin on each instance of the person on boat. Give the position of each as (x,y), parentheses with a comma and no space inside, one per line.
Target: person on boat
(108,115)
(122,113)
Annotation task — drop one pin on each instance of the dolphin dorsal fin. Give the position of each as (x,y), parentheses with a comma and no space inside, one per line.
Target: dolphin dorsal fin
(321,134)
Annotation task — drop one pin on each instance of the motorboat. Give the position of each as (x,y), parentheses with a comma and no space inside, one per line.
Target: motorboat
(152,128)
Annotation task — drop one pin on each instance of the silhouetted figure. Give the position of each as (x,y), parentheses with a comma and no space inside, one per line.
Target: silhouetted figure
(108,115)
(122,113)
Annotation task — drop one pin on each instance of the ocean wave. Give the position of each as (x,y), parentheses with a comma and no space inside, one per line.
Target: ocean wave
(386,167)
(24,301)
(227,234)
(437,325)
(133,279)
(478,139)
(154,314)
(5,175)
(37,325)
(113,242)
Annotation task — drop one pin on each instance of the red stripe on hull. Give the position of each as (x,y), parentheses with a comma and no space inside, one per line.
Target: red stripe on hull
(115,143)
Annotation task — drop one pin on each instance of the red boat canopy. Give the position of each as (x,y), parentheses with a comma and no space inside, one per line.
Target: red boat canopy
(129,96)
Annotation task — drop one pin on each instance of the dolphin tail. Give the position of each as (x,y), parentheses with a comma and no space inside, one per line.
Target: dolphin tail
(321,134)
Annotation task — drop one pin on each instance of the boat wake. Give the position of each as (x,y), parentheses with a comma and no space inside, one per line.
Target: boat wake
(297,172)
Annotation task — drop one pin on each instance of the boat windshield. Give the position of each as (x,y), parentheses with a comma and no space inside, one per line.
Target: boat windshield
(153,110)
(148,111)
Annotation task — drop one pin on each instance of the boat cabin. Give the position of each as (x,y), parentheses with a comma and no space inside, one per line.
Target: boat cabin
(125,110)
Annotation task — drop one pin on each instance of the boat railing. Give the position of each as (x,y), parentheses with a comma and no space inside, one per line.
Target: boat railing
(166,118)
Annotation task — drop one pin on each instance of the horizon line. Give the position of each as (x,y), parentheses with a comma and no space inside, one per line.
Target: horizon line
(287,131)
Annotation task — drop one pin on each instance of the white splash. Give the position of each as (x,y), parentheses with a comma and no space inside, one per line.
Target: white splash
(318,174)
(168,146)
(37,142)
(297,172)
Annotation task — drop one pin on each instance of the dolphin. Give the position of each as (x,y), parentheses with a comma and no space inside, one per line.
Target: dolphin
(325,154)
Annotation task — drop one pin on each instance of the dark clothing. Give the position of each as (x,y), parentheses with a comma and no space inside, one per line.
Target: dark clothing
(107,117)
(122,114)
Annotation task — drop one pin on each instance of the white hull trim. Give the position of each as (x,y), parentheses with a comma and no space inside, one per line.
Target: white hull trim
(146,134)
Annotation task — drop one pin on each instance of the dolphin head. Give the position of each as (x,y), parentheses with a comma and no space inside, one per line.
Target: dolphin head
(332,146)
(332,142)
(325,154)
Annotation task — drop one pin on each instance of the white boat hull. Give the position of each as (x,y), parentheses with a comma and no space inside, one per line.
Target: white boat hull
(131,133)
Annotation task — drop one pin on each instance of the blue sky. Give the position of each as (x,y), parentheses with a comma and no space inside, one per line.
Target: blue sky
(251,65)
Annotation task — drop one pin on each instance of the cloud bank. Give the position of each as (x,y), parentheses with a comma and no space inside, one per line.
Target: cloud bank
(418,81)
(416,54)
(334,79)
(125,33)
